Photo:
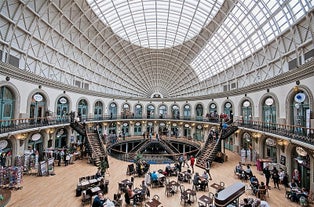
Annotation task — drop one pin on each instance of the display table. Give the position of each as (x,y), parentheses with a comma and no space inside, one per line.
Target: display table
(6,194)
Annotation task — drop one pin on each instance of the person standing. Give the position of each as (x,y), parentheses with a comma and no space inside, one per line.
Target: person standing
(267,175)
(185,160)
(192,161)
(276,178)
(208,163)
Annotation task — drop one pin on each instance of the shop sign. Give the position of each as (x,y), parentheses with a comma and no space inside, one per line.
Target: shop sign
(36,137)
(3,144)
(269,101)
(137,124)
(63,100)
(37,97)
(301,151)
(270,142)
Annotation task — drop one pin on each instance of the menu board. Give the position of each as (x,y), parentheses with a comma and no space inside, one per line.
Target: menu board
(43,168)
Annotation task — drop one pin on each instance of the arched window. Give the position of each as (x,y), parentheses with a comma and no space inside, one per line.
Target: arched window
(199,112)
(163,111)
(113,110)
(137,128)
(7,102)
(175,112)
(269,112)
(187,112)
(228,109)
(82,109)
(150,111)
(138,111)
(125,111)
(246,112)
(98,110)
(62,108)
(300,112)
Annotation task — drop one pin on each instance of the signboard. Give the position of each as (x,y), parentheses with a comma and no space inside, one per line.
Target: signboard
(283,160)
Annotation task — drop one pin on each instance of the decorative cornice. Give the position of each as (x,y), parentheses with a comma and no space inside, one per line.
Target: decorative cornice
(302,72)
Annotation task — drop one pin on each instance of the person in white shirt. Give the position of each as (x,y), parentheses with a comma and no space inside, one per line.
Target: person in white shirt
(260,203)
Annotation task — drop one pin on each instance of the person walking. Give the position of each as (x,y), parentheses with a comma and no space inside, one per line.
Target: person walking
(192,161)
(208,163)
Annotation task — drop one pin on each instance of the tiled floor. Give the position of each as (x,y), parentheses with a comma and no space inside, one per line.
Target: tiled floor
(59,190)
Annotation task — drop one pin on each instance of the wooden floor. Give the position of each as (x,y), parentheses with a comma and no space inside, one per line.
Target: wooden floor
(59,190)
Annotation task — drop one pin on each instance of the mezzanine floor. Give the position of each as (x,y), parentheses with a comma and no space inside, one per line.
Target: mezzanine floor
(59,190)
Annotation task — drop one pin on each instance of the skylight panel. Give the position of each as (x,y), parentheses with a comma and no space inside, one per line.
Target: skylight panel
(180,14)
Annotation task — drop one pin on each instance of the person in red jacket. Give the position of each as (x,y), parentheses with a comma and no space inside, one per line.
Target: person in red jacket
(192,161)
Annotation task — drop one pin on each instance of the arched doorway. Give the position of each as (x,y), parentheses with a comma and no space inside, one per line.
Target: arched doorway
(199,111)
(271,149)
(61,138)
(35,144)
(300,113)
(137,128)
(246,112)
(98,110)
(187,112)
(269,112)
(150,111)
(5,153)
(62,108)
(126,113)
(82,109)
(301,162)
(7,102)
(175,112)
(163,111)
(113,110)
(228,109)
(37,108)
(138,111)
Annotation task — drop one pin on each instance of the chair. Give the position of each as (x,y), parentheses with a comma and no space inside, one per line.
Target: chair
(182,188)
(211,195)
(184,197)
(200,204)
(86,199)
(156,197)
(168,190)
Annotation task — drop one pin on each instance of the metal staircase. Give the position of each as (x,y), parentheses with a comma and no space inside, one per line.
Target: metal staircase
(92,141)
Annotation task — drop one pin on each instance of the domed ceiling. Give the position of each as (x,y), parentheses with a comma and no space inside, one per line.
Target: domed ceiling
(146,48)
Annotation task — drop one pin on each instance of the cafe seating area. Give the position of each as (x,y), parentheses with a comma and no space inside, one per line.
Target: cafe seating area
(219,171)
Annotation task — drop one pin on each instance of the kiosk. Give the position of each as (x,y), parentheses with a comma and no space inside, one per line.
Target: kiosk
(230,195)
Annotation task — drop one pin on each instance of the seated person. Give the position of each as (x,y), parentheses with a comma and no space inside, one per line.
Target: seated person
(205,175)
(196,180)
(246,203)
(239,168)
(297,194)
(254,183)
(99,200)
(260,203)
(248,172)
(129,194)
(168,170)
(293,184)
(261,190)
(144,188)
(154,176)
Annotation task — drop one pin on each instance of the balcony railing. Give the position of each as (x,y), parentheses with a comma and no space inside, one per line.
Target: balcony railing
(294,132)
(299,133)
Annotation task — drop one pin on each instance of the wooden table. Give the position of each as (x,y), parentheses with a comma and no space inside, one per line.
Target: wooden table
(93,191)
(190,193)
(6,194)
(206,200)
(217,186)
(153,203)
